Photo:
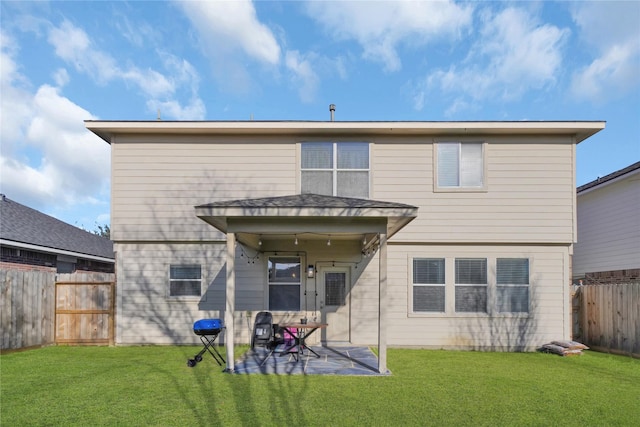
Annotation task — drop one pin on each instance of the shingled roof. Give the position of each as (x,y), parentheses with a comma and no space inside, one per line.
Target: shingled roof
(22,224)
(307,201)
(610,177)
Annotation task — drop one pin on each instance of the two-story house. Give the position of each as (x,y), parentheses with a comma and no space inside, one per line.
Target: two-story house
(421,234)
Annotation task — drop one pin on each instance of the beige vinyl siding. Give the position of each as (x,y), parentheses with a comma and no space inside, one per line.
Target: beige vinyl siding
(527,210)
(528,199)
(548,308)
(608,228)
(154,317)
(146,312)
(155,185)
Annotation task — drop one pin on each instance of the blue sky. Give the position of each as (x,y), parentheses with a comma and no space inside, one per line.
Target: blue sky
(65,62)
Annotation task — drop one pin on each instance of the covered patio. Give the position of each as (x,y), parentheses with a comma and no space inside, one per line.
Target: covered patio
(269,222)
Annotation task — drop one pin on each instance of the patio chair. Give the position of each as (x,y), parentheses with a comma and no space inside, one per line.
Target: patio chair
(262,329)
(265,333)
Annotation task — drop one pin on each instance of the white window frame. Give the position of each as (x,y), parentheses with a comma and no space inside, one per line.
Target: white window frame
(415,285)
(335,169)
(276,283)
(527,286)
(459,187)
(172,280)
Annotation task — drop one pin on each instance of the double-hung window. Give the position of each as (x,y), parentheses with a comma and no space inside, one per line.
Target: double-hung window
(185,280)
(284,283)
(335,168)
(428,285)
(460,165)
(512,280)
(471,285)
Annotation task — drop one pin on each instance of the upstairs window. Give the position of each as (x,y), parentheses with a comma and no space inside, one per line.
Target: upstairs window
(185,281)
(335,169)
(460,165)
(512,279)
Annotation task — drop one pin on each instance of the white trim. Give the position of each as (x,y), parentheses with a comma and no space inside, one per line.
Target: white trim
(55,251)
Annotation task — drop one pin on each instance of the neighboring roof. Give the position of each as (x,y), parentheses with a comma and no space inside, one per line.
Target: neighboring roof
(608,178)
(106,129)
(26,227)
(304,206)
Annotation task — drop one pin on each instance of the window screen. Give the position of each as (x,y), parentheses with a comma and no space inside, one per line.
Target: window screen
(460,164)
(335,288)
(512,278)
(428,285)
(185,280)
(471,271)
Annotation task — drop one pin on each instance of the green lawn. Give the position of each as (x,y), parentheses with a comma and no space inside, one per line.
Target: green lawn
(153,386)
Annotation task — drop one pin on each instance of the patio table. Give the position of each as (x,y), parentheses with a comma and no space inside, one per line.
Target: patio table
(300,332)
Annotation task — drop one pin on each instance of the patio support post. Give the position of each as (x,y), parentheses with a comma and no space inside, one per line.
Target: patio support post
(382,305)
(230,301)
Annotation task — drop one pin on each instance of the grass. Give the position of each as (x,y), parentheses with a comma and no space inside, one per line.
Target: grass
(153,386)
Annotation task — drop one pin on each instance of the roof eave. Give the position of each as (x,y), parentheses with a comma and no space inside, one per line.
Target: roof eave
(580,129)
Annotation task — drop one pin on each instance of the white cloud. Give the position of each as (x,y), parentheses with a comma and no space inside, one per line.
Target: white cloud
(304,76)
(611,31)
(48,158)
(61,77)
(194,110)
(232,25)
(73,45)
(15,98)
(514,54)
(380,27)
(232,37)
(57,162)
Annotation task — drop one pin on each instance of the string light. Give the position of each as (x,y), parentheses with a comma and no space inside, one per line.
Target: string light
(296,241)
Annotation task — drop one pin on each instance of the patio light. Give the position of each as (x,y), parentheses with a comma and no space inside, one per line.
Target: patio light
(310,271)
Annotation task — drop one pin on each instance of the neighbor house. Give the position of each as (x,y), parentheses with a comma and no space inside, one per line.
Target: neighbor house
(32,240)
(608,247)
(417,234)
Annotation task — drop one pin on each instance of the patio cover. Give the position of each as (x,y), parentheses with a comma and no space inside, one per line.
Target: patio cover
(245,220)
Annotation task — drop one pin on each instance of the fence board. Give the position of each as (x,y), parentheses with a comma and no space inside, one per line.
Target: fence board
(610,316)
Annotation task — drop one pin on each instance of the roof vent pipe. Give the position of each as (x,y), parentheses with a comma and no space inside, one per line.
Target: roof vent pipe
(332,109)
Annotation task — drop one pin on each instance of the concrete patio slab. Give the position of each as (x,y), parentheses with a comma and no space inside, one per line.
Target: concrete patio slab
(349,360)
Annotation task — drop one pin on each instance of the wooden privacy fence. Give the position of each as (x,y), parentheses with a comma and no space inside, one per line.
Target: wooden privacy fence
(42,308)
(27,304)
(610,317)
(84,312)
